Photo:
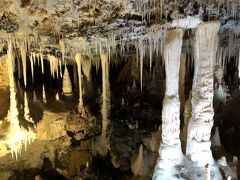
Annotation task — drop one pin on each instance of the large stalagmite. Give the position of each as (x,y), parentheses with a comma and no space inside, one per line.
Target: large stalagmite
(201,122)
(67,84)
(170,150)
(102,144)
(13,112)
(17,136)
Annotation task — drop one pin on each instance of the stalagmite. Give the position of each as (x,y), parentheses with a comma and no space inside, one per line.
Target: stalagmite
(220,90)
(78,59)
(35,99)
(26,109)
(24,61)
(17,136)
(216,142)
(138,165)
(57,97)
(67,84)
(170,153)
(200,125)
(13,112)
(44,98)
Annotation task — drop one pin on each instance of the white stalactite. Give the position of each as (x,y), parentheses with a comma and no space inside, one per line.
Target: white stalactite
(41,59)
(24,61)
(103,140)
(54,64)
(200,125)
(32,66)
(63,49)
(141,50)
(78,59)
(170,150)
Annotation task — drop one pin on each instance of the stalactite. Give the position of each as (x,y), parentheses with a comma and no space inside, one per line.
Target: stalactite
(38,59)
(34,58)
(105,86)
(63,49)
(78,59)
(41,59)
(32,66)
(141,49)
(150,53)
(54,64)
(24,61)
(170,153)
(199,128)
(103,139)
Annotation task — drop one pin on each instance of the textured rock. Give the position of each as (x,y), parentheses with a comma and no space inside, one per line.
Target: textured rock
(200,124)
(51,126)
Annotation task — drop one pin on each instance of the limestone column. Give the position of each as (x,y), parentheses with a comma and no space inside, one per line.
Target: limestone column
(17,138)
(102,144)
(170,153)
(201,122)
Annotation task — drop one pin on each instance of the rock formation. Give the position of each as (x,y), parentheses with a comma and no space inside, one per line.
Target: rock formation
(170,153)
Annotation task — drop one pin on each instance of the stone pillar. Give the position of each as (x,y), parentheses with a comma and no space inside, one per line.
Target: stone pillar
(170,153)
(201,122)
